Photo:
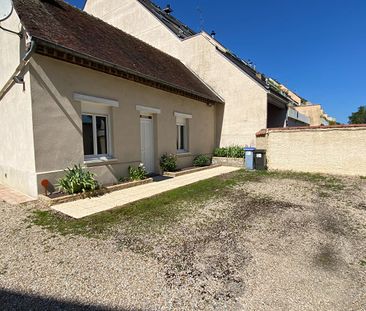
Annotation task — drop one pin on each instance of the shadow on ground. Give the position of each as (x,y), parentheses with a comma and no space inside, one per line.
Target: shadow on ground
(16,301)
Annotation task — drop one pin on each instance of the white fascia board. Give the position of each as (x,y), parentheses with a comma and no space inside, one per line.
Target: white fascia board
(95,100)
(183,115)
(148,109)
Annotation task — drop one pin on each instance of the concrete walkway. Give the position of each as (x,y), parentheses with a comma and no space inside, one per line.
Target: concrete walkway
(87,207)
(12,196)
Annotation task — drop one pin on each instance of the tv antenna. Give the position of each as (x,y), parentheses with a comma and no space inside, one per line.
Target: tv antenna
(201,17)
(6,9)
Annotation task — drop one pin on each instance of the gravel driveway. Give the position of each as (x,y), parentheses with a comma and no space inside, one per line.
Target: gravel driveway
(273,243)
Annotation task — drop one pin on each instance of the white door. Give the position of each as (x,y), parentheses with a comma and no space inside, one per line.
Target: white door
(147,142)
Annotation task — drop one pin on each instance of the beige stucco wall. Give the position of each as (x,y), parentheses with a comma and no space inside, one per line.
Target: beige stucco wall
(262,142)
(314,112)
(132,17)
(57,119)
(245,110)
(330,150)
(17,168)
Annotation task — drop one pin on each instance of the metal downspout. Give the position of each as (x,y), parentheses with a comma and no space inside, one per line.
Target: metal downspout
(24,62)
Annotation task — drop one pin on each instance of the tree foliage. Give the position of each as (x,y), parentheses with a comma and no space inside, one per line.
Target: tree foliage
(358,117)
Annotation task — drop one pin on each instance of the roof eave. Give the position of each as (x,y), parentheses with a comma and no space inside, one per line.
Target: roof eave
(278,100)
(140,78)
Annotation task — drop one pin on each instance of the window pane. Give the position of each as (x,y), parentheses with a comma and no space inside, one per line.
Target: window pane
(178,138)
(88,134)
(102,135)
(182,138)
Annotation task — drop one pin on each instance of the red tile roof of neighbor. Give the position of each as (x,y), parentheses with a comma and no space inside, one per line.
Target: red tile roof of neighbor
(263,132)
(59,25)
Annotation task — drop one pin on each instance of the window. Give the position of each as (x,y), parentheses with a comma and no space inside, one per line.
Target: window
(95,135)
(182,135)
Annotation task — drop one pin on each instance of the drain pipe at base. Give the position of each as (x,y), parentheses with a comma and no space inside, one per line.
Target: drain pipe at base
(15,78)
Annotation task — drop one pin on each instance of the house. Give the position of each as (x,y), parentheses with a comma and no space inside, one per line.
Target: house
(76,90)
(251,102)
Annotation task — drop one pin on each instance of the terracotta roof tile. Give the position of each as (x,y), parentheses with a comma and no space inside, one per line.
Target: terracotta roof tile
(58,23)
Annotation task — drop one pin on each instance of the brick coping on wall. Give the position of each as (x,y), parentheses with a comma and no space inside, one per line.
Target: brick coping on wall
(263,132)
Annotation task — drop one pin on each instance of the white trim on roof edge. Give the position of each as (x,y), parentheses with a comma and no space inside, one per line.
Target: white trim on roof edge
(95,100)
(148,109)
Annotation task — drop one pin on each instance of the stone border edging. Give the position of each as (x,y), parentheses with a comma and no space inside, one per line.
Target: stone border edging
(100,192)
(189,170)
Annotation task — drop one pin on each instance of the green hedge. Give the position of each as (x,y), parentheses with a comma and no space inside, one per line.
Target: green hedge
(230,152)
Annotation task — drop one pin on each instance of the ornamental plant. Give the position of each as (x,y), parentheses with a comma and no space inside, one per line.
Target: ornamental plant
(137,173)
(168,162)
(202,160)
(77,180)
(230,152)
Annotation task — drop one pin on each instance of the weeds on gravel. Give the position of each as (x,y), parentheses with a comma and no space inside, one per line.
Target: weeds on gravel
(325,182)
(363,263)
(156,213)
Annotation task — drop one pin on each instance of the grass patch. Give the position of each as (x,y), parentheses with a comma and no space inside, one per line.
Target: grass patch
(363,263)
(363,177)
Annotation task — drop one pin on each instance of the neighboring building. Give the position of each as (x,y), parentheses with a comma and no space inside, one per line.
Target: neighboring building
(251,102)
(316,115)
(301,112)
(75,90)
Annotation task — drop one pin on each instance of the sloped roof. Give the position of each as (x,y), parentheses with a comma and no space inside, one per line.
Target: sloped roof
(175,25)
(245,67)
(183,32)
(63,26)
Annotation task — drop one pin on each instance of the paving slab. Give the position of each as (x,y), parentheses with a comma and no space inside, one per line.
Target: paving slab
(90,206)
(12,196)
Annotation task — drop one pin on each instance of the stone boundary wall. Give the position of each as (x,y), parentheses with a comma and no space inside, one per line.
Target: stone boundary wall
(234,162)
(330,149)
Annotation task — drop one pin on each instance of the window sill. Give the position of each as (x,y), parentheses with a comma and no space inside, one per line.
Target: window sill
(99,161)
(181,154)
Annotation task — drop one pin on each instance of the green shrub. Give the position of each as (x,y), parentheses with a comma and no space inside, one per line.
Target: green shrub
(202,160)
(137,173)
(77,180)
(230,152)
(220,152)
(168,162)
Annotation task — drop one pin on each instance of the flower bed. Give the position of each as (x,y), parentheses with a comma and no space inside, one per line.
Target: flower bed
(59,198)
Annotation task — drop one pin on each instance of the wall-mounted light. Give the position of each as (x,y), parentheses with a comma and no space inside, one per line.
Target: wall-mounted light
(19,80)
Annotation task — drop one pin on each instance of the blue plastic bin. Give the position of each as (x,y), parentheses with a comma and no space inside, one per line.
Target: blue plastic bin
(249,158)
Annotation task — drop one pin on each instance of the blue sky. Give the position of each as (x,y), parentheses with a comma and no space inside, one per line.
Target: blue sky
(317,48)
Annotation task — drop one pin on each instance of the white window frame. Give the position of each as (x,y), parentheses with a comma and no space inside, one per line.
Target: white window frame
(88,99)
(182,120)
(95,141)
(148,110)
